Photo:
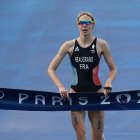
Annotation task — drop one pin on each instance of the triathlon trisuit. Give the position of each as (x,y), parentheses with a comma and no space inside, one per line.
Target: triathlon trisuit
(85,66)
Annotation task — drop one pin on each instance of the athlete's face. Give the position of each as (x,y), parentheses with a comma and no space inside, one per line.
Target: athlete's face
(85,25)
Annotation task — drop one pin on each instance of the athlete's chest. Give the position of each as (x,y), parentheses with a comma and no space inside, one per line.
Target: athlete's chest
(84,58)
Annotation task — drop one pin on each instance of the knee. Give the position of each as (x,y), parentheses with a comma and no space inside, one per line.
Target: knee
(80,132)
(98,136)
(78,123)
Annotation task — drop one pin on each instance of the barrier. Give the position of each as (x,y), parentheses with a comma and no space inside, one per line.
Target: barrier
(31,100)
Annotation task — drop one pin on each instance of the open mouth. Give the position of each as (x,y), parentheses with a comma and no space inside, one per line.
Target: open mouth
(84,30)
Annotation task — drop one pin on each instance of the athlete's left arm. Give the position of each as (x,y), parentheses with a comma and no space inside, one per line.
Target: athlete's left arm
(109,60)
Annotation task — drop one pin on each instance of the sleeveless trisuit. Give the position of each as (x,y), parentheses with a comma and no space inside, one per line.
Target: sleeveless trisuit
(85,67)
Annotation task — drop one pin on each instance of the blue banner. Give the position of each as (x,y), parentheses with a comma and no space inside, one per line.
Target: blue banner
(31,100)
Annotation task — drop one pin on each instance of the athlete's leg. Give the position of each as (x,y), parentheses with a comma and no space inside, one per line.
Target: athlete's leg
(97,123)
(78,119)
(78,122)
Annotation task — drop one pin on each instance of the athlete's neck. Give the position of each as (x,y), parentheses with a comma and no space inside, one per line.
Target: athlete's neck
(86,39)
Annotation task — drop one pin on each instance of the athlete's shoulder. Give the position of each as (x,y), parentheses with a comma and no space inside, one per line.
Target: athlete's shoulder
(69,43)
(102,46)
(67,46)
(102,42)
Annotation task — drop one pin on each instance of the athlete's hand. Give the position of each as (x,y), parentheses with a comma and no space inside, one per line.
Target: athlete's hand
(63,92)
(107,88)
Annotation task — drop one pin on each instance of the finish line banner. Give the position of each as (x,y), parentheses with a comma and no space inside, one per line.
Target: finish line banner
(30,100)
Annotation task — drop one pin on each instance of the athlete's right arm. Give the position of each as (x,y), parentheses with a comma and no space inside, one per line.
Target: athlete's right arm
(54,65)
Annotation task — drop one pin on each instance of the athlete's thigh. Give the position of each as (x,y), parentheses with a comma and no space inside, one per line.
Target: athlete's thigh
(78,119)
(97,118)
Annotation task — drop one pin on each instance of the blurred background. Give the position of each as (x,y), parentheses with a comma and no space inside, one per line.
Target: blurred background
(31,33)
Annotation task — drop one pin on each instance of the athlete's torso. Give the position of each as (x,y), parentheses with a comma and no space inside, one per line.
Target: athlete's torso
(85,65)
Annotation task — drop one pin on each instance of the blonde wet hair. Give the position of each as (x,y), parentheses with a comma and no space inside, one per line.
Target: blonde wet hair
(85,13)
